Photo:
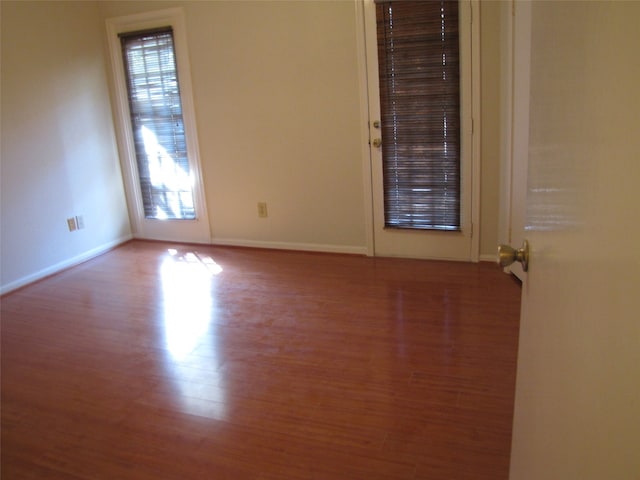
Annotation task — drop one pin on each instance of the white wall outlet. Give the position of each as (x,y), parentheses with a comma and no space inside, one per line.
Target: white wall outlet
(262,209)
(71,223)
(79,222)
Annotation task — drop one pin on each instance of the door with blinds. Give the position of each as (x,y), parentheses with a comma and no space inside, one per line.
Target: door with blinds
(156,127)
(419,76)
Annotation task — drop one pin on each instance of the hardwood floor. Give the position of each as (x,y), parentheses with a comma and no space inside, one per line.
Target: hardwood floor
(226,363)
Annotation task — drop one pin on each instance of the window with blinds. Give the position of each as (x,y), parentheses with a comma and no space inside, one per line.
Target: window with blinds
(157,124)
(419,72)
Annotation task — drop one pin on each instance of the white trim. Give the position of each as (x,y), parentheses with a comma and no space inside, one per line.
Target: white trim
(364,127)
(58,267)
(171,238)
(194,231)
(476,157)
(506,122)
(306,247)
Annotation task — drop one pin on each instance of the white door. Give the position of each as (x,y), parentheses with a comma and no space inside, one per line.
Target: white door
(166,202)
(458,245)
(577,406)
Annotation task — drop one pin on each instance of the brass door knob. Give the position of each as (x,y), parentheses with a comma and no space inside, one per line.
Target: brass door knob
(507,255)
(377,142)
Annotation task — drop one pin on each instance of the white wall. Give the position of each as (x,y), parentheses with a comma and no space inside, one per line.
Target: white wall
(490,44)
(277,104)
(58,151)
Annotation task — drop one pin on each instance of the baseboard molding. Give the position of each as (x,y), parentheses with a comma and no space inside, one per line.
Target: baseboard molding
(306,247)
(232,242)
(58,267)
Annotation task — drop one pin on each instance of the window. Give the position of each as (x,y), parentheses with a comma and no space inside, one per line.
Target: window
(157,124)
(419,73)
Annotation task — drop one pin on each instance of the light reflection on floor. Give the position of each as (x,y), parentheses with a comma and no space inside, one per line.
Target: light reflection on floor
(189,309)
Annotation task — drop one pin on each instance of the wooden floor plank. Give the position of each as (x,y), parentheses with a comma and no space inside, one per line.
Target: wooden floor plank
(171,361)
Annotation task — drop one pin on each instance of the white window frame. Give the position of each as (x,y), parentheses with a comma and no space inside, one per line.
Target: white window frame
(196,230)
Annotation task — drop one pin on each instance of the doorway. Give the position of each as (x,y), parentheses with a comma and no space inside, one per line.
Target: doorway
(456,242)
(162,176)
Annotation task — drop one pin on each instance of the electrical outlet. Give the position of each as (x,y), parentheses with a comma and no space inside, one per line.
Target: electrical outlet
(71,223)
(262,209)
(79,222)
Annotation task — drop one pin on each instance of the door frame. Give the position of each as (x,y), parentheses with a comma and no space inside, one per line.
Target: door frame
(514,125)
(363,8)
(193,231)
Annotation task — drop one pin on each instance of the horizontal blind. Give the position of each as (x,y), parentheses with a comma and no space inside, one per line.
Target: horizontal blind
(158,127)
(419,73)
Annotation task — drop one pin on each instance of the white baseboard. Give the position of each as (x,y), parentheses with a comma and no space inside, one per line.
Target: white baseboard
(488,258)
(58,267)
(306,247)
